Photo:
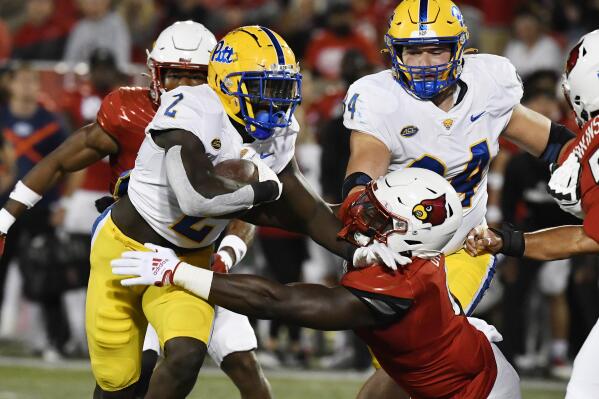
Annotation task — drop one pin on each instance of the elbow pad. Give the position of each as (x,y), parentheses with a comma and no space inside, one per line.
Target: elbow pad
(193,203)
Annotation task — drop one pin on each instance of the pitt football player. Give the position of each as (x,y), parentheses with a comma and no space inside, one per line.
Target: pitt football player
(179,57)
(408,318)
(442,109)
(575,186)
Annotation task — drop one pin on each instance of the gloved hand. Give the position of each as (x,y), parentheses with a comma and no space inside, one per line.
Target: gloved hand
(378,252)
(265,173)
(147,268)
(221,264)
(564,186)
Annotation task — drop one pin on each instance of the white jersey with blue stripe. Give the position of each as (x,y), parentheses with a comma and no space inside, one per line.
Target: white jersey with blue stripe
(458,144)
(198,110)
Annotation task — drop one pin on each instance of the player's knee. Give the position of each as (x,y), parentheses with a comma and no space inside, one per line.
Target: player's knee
(244,370)
(184,357)
(115,375)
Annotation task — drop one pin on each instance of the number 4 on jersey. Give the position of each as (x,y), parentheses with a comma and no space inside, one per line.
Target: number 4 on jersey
(351,105)
(467,181)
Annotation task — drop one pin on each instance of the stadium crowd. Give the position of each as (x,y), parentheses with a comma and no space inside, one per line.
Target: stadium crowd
(59,58)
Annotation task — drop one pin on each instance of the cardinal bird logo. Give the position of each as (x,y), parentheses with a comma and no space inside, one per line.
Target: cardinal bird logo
(431,211)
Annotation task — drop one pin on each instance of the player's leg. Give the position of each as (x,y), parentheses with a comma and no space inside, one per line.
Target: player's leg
(381,386)
(149,357)
(183,323)
(114,322)
(507,382)
(584,383)
(232,346)
(469,277)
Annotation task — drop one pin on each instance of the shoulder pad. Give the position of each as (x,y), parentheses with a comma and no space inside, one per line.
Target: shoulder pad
(126,108)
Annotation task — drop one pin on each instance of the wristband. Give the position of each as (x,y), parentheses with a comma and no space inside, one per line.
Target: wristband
(265,191)
(193,279)
(24,195)
(6,220)
(513,241)
(236,244)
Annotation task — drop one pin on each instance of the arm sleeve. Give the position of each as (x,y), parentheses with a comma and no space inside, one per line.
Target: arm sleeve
(367,110)
(108,115)
(388,296)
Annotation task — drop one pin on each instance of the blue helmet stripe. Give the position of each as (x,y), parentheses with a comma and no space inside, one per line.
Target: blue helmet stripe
(276,44)
(423,14)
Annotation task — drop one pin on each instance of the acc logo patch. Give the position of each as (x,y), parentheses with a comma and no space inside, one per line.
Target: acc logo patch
(216,144)
(448,123)
(408,131)
(220,54)
(431,211)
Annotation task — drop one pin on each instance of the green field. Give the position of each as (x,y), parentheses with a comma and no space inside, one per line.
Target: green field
(24,382)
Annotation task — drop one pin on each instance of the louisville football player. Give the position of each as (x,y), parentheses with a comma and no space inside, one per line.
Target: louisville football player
(442,108)
(179,57)
(575,186)
(407,317)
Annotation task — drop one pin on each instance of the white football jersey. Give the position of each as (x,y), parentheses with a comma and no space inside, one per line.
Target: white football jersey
(198,110)
(458,144)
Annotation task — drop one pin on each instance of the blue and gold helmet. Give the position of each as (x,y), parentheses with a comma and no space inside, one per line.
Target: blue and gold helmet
(256,76)
(426,22)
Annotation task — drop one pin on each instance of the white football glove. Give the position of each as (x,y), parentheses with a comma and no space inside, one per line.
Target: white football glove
(264,171)
(378,252)
(564,186)
(148,268)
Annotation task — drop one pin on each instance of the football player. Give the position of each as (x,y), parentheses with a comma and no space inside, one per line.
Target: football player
(175,199)
(407,317)
(179,57)
(575,186)
(442,108)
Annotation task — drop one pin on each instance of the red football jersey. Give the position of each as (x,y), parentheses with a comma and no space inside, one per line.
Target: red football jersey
(586,146)
(124,115)
(428,349)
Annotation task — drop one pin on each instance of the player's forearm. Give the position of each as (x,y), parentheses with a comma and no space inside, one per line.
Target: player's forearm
(302,304)
(558,243)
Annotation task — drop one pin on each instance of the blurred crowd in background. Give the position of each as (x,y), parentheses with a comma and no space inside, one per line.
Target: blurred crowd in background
(59,58)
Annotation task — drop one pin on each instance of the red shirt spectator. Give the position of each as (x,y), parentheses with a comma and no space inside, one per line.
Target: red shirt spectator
(43,35)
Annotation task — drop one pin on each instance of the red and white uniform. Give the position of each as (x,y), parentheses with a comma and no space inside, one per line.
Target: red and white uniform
(124,115)
(586,147)
(584,383)
(425,345)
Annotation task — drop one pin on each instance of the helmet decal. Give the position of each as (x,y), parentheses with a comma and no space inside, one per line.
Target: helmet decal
(431,211)
(423,17)
(276,45)
(221,54)
(573,58)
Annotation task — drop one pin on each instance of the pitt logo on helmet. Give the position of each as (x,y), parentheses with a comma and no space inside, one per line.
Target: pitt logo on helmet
(256,76)
(426,22)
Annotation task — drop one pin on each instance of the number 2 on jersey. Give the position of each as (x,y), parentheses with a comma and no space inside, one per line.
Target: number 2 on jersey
(169,110)
(467,181)
(192,227)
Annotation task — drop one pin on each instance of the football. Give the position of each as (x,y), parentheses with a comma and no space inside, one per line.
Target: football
(237,169)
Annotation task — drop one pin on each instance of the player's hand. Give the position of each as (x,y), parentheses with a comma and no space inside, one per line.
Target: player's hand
(156,267)
(379,253)
(564,186)
(265,173)
(221,263)
(482,240)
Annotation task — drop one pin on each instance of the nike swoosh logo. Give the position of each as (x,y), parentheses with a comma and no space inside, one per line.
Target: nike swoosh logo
(473,118)
(263,155)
